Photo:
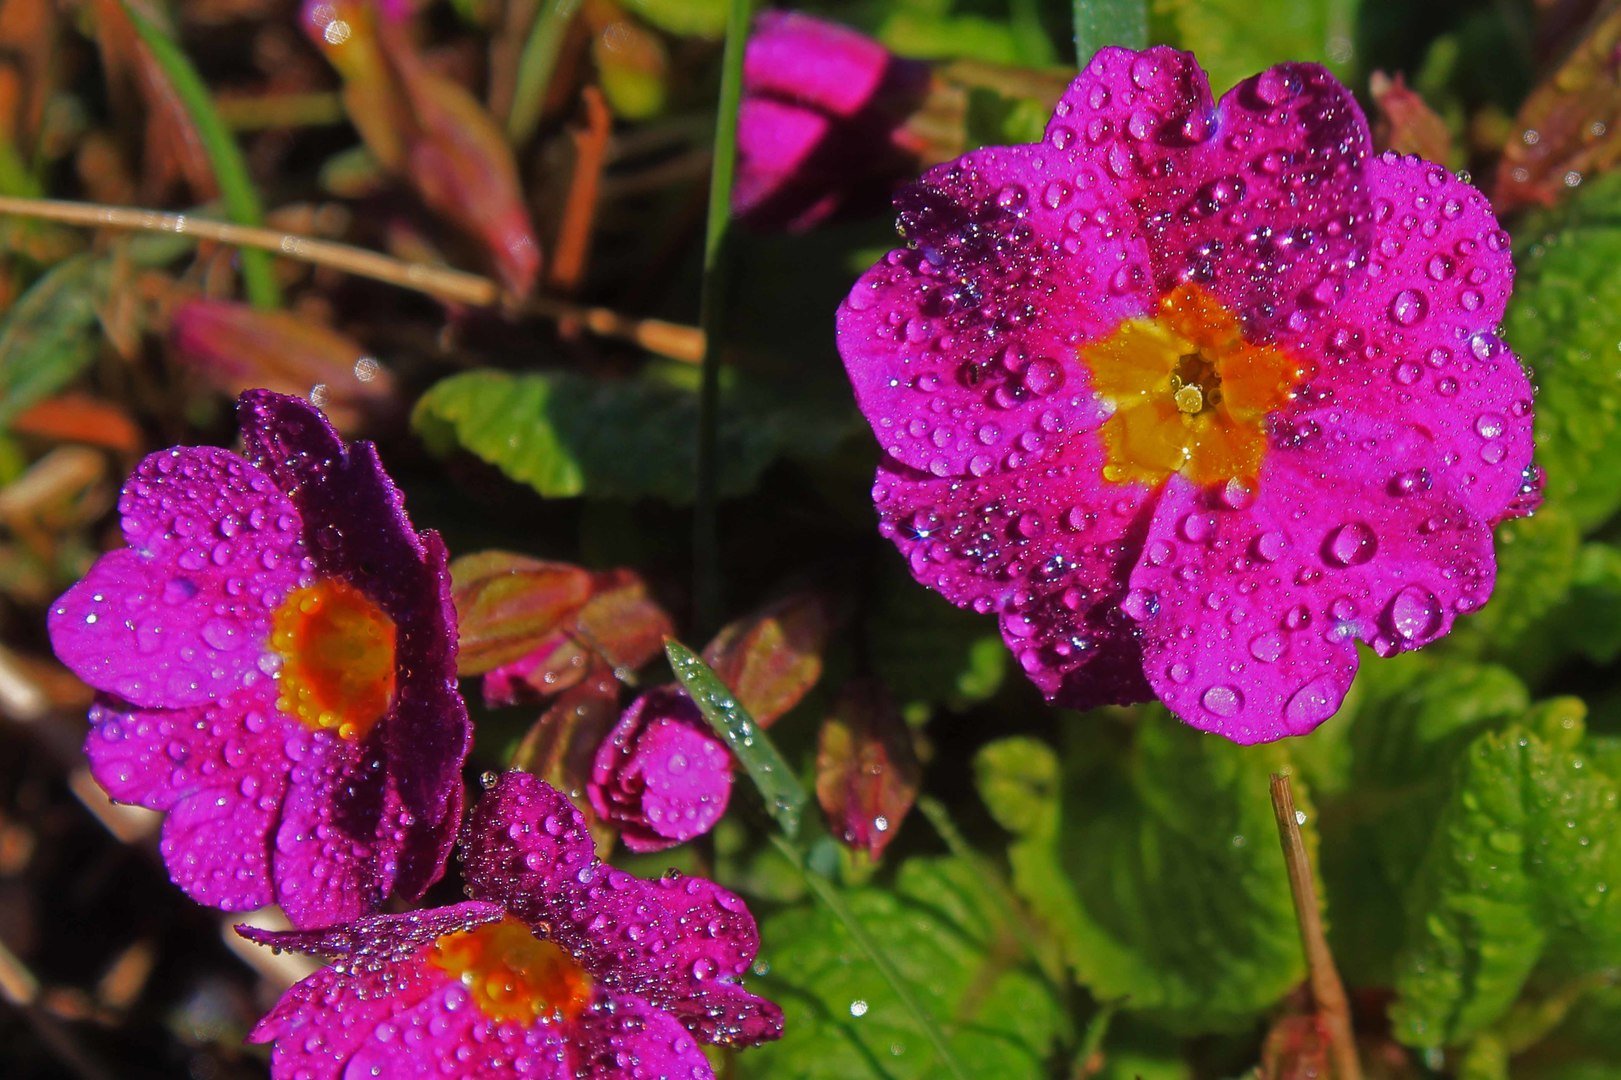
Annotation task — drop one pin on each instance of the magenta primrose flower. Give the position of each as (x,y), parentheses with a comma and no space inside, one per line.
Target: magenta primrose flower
(1195,395)
(821,127)
(661,777)
(560,966)
(275,651)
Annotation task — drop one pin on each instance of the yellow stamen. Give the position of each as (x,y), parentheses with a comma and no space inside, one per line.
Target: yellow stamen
(337,658)
(512,974)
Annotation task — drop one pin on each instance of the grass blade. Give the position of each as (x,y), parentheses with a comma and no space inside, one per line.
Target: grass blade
(236,189)
(1109,22)
(536,65)
(712,318)
(784,795)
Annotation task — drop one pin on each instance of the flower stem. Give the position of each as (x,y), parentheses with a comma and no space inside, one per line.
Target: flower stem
(1327,991)
(829,895)
(671,340)
(711,319)
(224,156)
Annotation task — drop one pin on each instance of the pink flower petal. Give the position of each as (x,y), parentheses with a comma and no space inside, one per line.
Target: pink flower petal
(182,617)
(801,58)
(626,1037)
(1271,211)
(444,1036)
(661,776)
(154,758)
(214,843)
(320,1024)
(1047,548)
(1416,340)
(962,349)
(1250,610)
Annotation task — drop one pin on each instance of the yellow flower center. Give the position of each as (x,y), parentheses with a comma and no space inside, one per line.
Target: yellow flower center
(337,658)
(1190,395)
(512,974)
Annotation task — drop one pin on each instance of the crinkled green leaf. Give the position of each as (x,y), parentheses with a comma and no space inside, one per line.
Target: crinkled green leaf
(50,334)
(1414,717)
(1565,322)
(566,435)
(1517,877)
(1234,39)
(949,940)
(1159,870)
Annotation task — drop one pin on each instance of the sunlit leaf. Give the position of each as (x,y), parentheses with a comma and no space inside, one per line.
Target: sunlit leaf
(772,658)
(506,604)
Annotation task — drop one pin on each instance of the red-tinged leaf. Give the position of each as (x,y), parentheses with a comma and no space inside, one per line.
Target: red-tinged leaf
(507,605)
(771,659)
(236,347)
(1570,125)
(620,628)
(867,771)
(174,150)
(28,35)
(430,131)
(1405,123)
(1296,1049)
(76,418)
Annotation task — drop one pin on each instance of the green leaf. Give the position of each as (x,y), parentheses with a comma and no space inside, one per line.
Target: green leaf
(950,941)
(1109,22)
(50,334)
(685,18)
(1590,621)
(1564,321)
(566,435)
(783,794)
(1234,39)
(1111,852)
(1517,878)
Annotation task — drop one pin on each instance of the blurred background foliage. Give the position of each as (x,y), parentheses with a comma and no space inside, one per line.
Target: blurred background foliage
(1065,895)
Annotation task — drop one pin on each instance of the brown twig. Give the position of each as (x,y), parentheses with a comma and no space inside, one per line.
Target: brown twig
(1328,993)
(672,340)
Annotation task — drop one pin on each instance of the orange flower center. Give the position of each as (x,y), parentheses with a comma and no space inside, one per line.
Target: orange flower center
(337,658)
(512,974)
(1190,395)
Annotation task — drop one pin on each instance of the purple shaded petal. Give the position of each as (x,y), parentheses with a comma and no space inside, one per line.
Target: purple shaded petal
(728,1014)
(216,842)
(1129,111)
(444,1035)
(377,941)
(669,941)
(1048,549)
(624,1036)
(1251,616)
(154,758)
(337,850)
(661,776)
(525,847)
(362,536)
(1413,338)
(1272,212)
(182,617)
(962,349)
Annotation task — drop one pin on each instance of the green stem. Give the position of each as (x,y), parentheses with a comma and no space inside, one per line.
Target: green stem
(829,895)
(237,194)
(1024,18)
(1109,22)
(535,66)
(706,585)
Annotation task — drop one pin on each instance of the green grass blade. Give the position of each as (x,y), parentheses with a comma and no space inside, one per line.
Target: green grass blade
(828,894)
(783,793)
(706,583)
(1109,22)
(535,67)
(230,170)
